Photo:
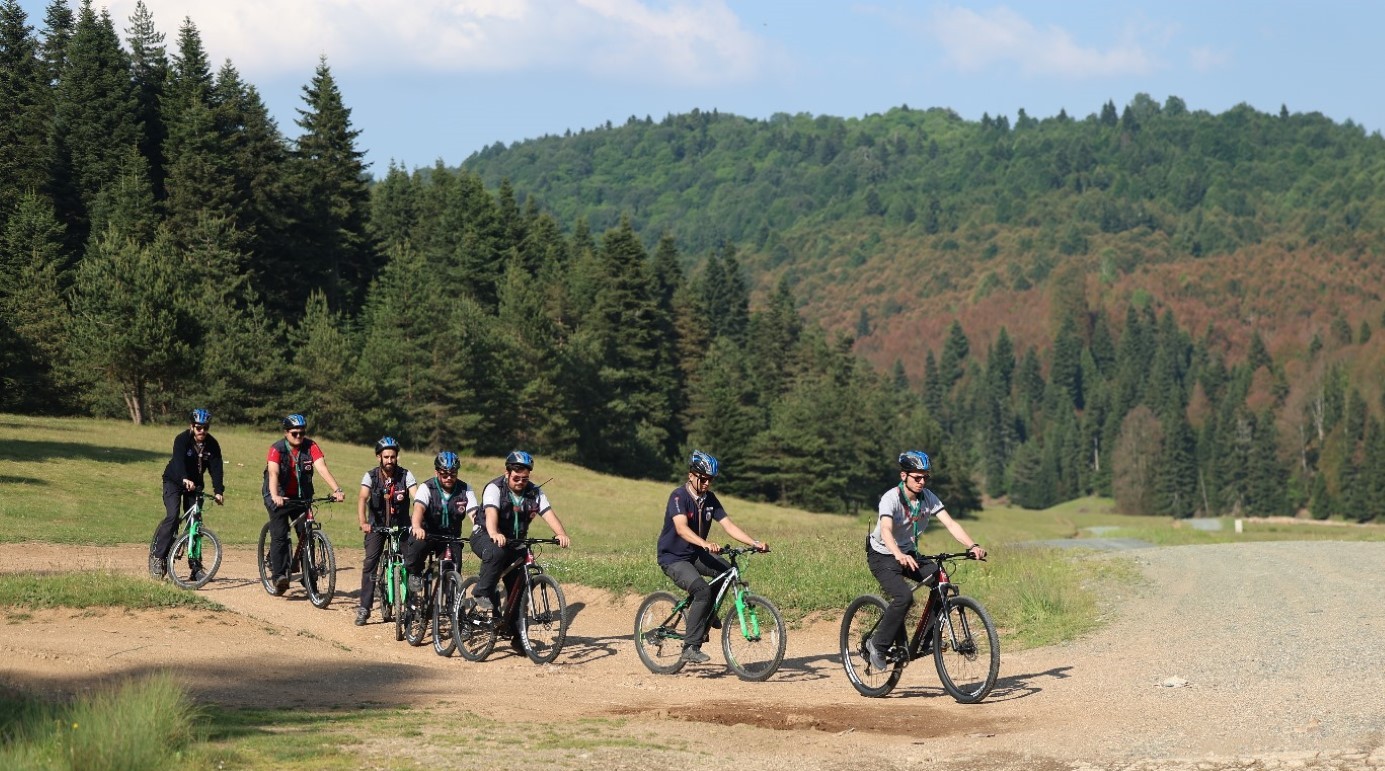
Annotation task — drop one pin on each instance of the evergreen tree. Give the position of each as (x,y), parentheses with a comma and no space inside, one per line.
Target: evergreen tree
(32,310)
(59,25)
(25,108)
(150,70)
(335,252)
(1175,472)
(723,417)
(319,383)
(540,416)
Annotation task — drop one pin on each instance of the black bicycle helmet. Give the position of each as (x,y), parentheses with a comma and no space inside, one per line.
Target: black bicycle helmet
(294,421)
(447,461)
(386,443)
(702,463)
(518,459)
(915,460)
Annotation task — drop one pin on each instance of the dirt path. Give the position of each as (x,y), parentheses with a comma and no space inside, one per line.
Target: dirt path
(1246,656)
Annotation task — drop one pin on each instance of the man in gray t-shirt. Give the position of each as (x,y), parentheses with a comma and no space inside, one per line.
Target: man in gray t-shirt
(892,548)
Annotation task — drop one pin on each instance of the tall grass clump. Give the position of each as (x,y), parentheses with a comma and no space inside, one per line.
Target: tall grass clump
(141,724)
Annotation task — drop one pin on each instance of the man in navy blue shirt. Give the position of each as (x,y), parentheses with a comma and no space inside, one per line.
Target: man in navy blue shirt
(685,554)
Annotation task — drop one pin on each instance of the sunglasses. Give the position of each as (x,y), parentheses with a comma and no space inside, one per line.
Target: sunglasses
(703,478)
(918,478)
(294,432)
(199,426)
(448,474)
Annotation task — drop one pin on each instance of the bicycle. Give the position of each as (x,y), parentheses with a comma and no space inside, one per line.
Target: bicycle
(956,630)
(313,556)
(391,579)
(186,563)
(540,629)
(752,631)
(442,586)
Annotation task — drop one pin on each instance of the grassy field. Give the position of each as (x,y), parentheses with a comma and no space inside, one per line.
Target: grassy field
(98,482)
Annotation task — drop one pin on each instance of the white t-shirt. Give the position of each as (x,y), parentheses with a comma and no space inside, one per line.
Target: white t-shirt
(894,506)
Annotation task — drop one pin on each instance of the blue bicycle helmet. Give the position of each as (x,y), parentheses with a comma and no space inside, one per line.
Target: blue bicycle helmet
(914,460)
(519,459)
(201,417)
(295,421)
(447,461)
(702,463)
(386,443)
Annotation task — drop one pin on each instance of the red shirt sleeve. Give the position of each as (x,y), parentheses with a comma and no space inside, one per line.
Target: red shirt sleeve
(273,453)
(315,452)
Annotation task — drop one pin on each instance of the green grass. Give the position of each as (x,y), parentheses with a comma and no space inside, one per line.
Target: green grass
(93,589)
(139,725)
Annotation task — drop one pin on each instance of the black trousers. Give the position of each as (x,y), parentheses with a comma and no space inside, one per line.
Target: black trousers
(176,501)
(691,576)
(891,575)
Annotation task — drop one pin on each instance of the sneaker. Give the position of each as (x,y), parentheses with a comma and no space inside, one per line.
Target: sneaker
(362,615)
(518,645)
(281,583)
(415,585)
(196,575)
(484,604)
(694,655)
(157,567)
(876,656)
(715,623)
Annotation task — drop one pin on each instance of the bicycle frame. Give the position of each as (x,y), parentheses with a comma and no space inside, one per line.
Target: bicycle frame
(729,579)
(393,559)
(530,568)
(191,524)
(940,588)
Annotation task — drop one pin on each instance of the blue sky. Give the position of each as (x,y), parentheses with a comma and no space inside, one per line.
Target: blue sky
(440,79)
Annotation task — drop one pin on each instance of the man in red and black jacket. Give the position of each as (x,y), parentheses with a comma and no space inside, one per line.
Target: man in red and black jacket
(289,476)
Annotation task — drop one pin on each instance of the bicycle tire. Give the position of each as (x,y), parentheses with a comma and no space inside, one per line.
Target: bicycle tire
(542,620)
(401,587)
(382,593)
(475,632)
(862,617)
(660,644)
(416,614)
(448,594)
(754,650)
(966,650)
(266,570)
(320,569)
(179,562)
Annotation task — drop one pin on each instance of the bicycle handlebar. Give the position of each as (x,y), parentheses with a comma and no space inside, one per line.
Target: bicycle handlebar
(966,555)
(728,549)
(447,538)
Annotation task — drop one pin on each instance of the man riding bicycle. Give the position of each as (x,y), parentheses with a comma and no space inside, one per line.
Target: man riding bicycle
(195,452)
(685,554)
(289,474)
(443,503)
(383,502)
(509,503)
(892,546)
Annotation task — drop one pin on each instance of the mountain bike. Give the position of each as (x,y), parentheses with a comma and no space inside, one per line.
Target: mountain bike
(312,558)
(532,613)
(752,630)
(442,586)
(391,578)
(956,630)
(195,555)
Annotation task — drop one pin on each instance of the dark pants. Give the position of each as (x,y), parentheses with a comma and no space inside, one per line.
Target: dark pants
(279,543)
(494,559)
(176,501)
(898,591)
(689,576)
(416,555)
(374,547)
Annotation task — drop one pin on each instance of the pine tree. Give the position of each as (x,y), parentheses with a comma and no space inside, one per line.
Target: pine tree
(335,252)
(150,70)
(25,107)
(1175,472)
(33,313)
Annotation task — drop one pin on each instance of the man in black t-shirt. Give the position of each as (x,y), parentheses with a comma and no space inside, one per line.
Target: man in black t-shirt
(196,454)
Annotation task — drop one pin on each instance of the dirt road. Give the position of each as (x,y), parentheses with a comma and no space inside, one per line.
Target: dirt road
(1262,655)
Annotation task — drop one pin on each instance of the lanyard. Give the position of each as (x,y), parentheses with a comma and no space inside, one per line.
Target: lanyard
(446,499)
(913,509)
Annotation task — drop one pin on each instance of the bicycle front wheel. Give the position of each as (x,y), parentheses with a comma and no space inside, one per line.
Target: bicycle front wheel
(448,595)
(266,569)
(862,617)
(398,588)
(382,592)
(474,630)
(193,561)
(660,626)
(543,619)
(966,650)
(320,569)
(754,643)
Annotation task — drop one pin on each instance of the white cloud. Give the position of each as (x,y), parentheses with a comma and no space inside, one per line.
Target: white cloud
(974,41)
(682,41)
(1207,58)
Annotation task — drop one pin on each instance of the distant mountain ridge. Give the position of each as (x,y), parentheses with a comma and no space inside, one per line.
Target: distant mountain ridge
(891,226)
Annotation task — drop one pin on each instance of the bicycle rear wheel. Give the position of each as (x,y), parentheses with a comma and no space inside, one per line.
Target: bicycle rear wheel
(416,612)
(448,595)
(754,645)
(320,569)
(266,569)
(659,633)
(543,619)
(382,592)
(862,617)
(401,586)
(474,629)
(190,555)
(966,650)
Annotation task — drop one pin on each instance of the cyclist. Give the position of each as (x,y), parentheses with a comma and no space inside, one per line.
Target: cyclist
(685,554)
(892,546)
(509,503)
(195,453)
(383,502)
(442,505)
(289,474)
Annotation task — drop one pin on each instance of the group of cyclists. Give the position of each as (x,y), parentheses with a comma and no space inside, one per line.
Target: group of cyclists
(390,496)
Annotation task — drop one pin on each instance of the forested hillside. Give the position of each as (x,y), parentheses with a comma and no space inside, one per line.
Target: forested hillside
(1167,306)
